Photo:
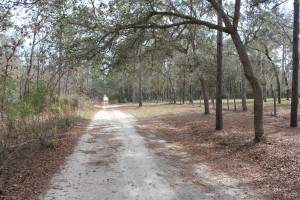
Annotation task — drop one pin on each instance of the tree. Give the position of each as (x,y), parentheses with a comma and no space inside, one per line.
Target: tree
(231,27)
(255,85)
(140,90)
(219,116)
(294,103)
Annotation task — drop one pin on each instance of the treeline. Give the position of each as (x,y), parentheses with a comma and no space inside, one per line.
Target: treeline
(143,50)
(43,86)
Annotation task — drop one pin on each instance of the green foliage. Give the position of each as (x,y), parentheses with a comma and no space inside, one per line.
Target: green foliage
(9,101)
(33,102)
(37,98)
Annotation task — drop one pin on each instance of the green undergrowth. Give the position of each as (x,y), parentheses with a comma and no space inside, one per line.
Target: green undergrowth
(36,118)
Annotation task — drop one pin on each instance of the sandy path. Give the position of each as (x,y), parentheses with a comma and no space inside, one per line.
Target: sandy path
(111,161)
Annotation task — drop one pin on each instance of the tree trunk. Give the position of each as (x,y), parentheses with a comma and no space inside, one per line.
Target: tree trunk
(231,26)
(276,75)
(244,93)
(183,89)
(294,104)
(286,83)
(219,115)
(275,104)
(264,84)
(200,100)
(205,96)
(29,67)
(257,92)
(278,90)
(213,100)
(190,94)
(234,102)
(60,54)
(227,101)
(174,96)
(277,82)
(140,90)
(283,69)
(132,95)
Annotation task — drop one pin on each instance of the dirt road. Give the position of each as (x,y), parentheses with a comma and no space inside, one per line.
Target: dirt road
(111,161)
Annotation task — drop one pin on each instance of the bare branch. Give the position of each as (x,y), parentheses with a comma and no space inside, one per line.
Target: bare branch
(278,4)
(285,32)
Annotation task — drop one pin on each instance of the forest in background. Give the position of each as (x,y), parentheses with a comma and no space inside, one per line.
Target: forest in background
(56,55)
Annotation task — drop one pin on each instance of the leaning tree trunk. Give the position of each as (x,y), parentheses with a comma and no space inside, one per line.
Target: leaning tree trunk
(205,96)
(219,115)
(294,104)
(231,27)
(276,74)
(257,92)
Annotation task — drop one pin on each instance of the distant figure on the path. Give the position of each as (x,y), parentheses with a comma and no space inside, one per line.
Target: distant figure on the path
(105,99)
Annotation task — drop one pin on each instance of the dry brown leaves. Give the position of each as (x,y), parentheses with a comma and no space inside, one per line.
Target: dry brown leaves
(271,167)
(28,173)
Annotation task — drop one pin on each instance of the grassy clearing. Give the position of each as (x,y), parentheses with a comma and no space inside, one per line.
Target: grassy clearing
(150,107)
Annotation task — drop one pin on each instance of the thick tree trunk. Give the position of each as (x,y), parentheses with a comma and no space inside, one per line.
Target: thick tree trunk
(294,104)
(257,92)
(219,115)
(231,26)
(205,96)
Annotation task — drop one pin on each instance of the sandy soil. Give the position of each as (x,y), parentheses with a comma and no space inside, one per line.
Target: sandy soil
(112,161)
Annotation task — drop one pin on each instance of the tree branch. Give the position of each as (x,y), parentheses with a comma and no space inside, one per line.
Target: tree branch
(221,12)
(236,13)
(188,20)
(285,32)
